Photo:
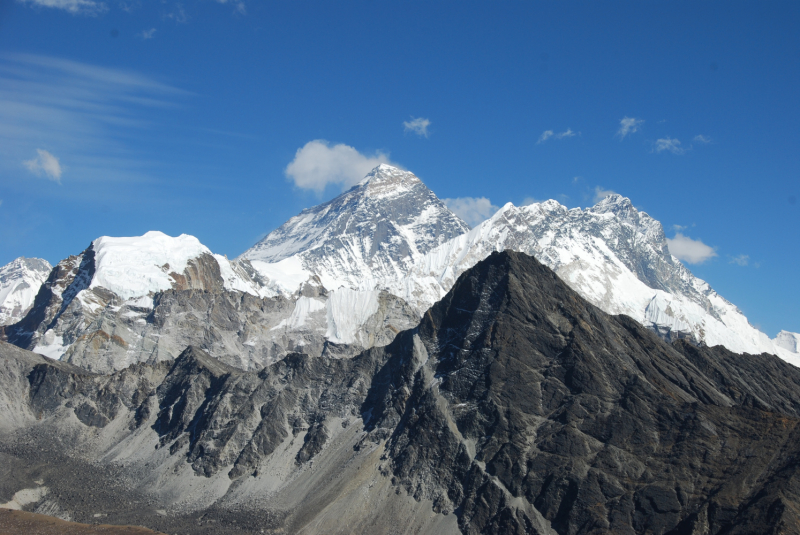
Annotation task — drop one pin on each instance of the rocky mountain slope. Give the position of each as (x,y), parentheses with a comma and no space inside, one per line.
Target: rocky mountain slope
(515,406)
(145,299)
(19,282)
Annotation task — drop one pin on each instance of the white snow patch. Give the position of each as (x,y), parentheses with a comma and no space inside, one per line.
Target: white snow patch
(25,497)
(285,276)
(141,302)
(138,266)
(788,341)
(51,345)
(303,308)
(348,310)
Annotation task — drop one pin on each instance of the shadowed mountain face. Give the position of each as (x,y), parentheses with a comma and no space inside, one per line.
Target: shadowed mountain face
(514,407)
(528,407)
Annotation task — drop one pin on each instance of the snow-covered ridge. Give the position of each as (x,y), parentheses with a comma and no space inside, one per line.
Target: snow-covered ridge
(19,282)
(141,265)
(106,308)
(133,267)
(611,253)
(614,256)
(373,232)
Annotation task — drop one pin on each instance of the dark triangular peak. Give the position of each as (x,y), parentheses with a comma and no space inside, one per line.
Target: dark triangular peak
(523,408)
(512,308)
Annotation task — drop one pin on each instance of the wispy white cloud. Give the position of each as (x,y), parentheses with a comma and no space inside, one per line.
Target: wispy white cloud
(148,34)
(688,250)
(629,125)
(473,210)
(418,125)
(318,164)
(530,200)
(567,133)
(669,144)
(702,139)
(76,7)
(547,134)
(92,115)
(238,6)
(44,164)
(740,260)
(601,193)
(95,7)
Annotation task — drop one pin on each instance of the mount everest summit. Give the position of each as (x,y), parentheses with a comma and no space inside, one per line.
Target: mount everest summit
(349,274)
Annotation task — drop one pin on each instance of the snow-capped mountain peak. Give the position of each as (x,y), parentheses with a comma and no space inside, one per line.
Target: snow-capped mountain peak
(614,255)
(388,181)
(19,282)
(375,230)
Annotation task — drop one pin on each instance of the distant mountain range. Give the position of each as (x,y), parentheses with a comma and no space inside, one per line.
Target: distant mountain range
(347,275)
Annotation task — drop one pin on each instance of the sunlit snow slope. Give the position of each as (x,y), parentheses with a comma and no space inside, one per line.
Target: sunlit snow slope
(374,232)
(391,233)
(19,282)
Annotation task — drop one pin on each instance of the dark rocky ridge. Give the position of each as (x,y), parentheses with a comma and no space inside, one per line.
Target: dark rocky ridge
(514,407)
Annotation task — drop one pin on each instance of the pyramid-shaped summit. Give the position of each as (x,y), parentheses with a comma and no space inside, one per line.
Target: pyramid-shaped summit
(375,230)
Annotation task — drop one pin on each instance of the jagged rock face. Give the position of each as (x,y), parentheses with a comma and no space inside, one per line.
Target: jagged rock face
(19,282)
(374,231)
(65,281)
(514,407)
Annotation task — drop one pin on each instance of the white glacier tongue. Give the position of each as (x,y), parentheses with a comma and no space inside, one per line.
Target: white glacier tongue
(19,282)
(373,232)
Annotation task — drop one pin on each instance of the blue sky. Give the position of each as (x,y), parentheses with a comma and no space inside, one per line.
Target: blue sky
(120,117)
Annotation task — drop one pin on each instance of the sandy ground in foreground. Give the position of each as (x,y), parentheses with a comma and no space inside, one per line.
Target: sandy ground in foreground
(19,522)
